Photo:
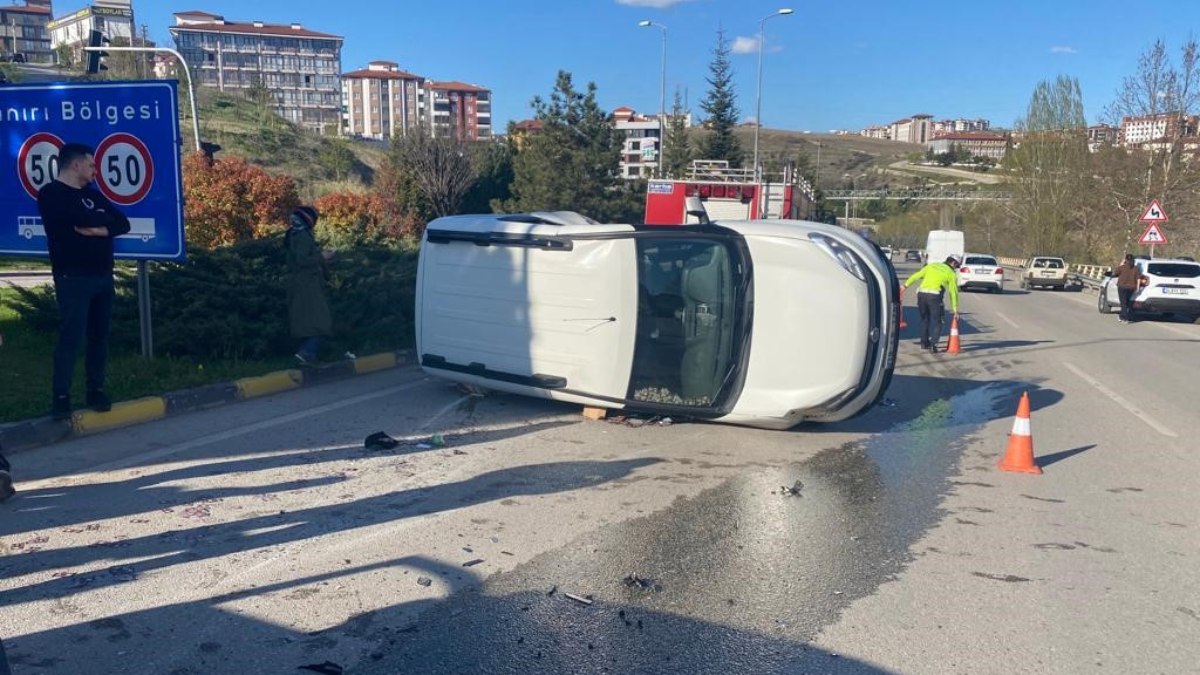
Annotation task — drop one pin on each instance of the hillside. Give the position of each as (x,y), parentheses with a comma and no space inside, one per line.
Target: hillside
(839,155)
(243,128)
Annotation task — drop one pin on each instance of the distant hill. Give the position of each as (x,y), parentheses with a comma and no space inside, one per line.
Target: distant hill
(839,155)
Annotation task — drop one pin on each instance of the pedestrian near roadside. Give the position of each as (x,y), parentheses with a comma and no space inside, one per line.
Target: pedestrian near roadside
(936,279)
(1129,279)
(80,225)
(308,307)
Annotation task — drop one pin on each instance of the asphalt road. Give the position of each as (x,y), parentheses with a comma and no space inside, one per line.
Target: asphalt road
(262,537)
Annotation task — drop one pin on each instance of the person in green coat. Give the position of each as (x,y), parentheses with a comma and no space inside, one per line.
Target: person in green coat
(308,306)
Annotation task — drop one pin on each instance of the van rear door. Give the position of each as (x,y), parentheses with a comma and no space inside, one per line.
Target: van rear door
(529,304)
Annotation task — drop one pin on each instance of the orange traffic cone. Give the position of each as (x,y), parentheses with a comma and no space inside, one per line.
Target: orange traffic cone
(903,323)
(1019,455)
(954,346)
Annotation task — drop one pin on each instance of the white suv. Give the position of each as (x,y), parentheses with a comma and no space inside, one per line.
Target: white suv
(981,271)
(1173,287)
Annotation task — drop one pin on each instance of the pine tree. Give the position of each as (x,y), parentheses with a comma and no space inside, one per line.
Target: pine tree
(571,163)
(678,153)
(721,106)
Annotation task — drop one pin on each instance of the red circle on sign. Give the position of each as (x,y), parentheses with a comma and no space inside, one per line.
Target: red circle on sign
(24,171)
(124,169)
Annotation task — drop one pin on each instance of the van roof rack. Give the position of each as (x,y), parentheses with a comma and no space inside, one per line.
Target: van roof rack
(550,218)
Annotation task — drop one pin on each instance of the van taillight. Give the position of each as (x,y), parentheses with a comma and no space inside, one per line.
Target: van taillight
(1000,271)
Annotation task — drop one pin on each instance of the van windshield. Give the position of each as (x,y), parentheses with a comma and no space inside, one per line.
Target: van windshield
(690,300)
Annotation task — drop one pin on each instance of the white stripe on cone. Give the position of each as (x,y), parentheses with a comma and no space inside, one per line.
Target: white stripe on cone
(1021,427)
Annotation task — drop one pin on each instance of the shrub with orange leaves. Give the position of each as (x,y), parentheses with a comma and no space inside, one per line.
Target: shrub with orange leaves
(229,200)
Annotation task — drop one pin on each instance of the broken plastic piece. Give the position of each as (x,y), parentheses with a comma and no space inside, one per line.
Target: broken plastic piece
(472,563)
(576,598)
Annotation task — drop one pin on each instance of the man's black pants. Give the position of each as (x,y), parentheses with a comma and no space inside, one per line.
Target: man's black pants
(84,309)
(1126,299)
(932,312)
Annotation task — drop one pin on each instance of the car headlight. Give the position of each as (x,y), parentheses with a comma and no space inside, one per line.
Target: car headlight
(840,253)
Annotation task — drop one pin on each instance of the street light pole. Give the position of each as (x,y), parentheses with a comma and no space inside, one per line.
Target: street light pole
(662,97)
(758,91)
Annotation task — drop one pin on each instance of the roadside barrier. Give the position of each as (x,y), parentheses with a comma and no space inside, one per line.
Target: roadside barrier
(1018,457)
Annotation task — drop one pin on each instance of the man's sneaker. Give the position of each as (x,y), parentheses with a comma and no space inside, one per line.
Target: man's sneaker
(98,401)
(60,409)
(6,486)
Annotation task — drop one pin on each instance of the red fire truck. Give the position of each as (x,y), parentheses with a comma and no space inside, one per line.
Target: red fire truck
(728,194)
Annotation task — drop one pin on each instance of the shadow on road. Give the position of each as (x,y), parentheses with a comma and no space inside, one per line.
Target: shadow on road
(1054,458)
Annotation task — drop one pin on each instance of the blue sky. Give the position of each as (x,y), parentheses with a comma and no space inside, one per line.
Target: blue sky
(833,64)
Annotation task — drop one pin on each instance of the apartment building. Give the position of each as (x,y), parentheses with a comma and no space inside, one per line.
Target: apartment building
(1142,129)
(113,19)
(881,132)
(960,125)
(298,66)
(978,143)
(1102,134)
(381,101)
(458,110)
(24,30)
(641,143)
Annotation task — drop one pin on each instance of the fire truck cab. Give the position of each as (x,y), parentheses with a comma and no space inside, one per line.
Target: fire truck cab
(728,194)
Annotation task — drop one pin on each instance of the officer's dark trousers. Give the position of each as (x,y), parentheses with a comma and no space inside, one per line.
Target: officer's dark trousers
(932,311)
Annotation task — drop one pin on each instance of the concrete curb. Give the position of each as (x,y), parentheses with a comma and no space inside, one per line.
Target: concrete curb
(42,431)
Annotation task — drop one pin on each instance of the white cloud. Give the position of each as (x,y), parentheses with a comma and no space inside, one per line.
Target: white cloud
(744,45)
(656,4)
(1063,49)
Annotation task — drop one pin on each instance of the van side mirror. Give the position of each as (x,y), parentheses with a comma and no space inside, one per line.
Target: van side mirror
(695,208)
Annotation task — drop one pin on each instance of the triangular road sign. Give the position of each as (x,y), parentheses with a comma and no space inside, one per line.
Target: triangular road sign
(1153,235)
(1154,213)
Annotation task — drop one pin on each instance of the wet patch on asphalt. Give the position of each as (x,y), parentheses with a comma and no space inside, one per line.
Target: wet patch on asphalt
(746,575)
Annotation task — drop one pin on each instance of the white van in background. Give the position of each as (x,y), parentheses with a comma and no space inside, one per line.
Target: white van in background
(943,243)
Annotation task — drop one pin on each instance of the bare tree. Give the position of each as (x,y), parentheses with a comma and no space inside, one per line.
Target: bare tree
(441,168)
(1167,91)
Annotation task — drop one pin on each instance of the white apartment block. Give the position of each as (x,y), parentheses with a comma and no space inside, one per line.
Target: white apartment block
(298,66)
(641,144)
(880,132)
(381,100)
(111,18)
(1138,130)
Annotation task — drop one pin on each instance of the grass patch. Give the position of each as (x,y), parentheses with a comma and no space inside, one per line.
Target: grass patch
(26,363)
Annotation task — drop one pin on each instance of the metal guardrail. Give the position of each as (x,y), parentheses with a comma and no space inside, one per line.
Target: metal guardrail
(918,194)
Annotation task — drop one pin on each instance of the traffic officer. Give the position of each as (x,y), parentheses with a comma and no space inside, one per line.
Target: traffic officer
(936,279)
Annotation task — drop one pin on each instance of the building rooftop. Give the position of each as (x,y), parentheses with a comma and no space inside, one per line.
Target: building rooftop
(26,9)
(215,23)
(375,74)
(457,86)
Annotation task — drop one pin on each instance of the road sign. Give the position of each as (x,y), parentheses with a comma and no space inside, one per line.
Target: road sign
(1153,235)
(133,127)
(1154,214)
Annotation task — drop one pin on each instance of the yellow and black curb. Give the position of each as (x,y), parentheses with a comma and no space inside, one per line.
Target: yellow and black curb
(44,431)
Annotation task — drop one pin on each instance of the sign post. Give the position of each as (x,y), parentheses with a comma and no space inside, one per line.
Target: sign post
(134,128)
(1153,216)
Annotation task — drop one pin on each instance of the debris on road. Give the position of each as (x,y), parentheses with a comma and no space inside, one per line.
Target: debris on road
(576,598)
(887,403)
(472,563)
(424,581)
(793,491)
(641,583)
(550,593)
(472,390)
(326,668)
(437,441)
(380,441)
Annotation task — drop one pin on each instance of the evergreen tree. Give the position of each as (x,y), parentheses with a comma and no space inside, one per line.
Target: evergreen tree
(571,163)
(678,152)
(721,106)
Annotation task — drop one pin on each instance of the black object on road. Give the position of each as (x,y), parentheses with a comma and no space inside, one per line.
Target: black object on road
(380,441)
(327,668)
(6,482)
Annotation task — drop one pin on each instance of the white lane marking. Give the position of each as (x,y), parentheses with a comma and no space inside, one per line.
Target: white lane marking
(1008,320)
(1136,411)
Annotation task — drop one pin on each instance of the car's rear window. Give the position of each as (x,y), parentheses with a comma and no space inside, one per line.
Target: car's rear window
(1189,271)
(1049,263)
(980,260)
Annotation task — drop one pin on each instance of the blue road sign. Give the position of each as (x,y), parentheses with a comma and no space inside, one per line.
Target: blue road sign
(134,128)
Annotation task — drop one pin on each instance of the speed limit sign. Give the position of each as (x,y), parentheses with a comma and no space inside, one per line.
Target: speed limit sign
(37,161)
(124,169)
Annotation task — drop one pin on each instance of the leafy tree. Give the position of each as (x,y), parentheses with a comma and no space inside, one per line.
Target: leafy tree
(229,200)
(335,155)
(493,164)
(721,106)
(678,153)
(66,55)
(571,164)
(1046,168)
(405,209)
(350,219)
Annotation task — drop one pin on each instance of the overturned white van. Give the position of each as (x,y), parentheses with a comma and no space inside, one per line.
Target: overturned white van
(762,323)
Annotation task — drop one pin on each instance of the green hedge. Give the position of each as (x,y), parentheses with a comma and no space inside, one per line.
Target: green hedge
(230,303)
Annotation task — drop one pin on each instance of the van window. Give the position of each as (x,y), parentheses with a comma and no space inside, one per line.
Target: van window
(1048,263)
(1181,270)
(688,305)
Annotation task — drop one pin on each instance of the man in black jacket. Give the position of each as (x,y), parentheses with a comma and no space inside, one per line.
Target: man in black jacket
(80,227)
